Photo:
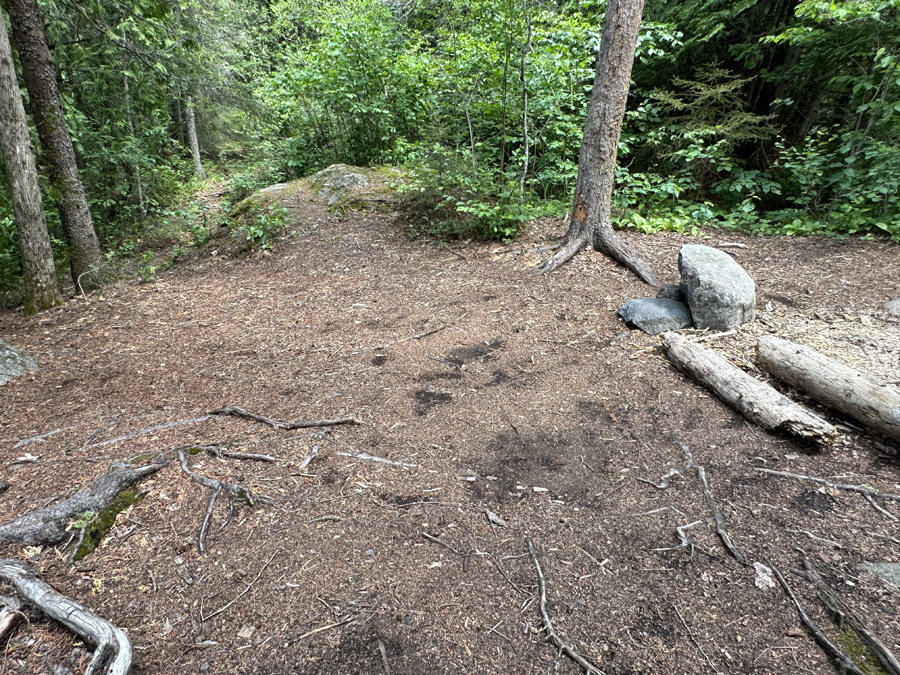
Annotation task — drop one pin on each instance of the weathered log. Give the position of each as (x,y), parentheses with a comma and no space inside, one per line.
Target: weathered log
(875,404)
(755,400)
(113,653)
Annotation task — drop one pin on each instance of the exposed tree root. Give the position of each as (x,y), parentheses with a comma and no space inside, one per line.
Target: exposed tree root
(548,624)
(836,607)
(299,424)
(718,519)
(232,491)
(845,663)
(607,242)
(869,493)
(113,653)
(48,525)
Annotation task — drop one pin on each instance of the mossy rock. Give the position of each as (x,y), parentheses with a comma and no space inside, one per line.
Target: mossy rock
(344,187)
(262,199)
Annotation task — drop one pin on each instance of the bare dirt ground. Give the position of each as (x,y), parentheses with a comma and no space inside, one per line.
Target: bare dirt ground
(484,390)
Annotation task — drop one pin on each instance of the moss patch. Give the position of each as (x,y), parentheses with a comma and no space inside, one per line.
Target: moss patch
(99,524)
(862,656)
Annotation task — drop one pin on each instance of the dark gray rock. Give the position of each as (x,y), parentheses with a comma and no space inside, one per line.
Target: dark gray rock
(671,291)
(14,363)
(719,293)
(656,315)
(893,307)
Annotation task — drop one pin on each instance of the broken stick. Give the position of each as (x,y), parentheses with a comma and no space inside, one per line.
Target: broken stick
(875,404)
(718,519)
(548,624)
(755,400)
(299,424)
(113,646)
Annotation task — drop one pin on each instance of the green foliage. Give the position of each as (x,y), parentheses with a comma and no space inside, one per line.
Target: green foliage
(261,226)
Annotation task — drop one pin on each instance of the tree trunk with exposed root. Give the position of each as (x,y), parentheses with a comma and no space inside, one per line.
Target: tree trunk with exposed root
(590,223)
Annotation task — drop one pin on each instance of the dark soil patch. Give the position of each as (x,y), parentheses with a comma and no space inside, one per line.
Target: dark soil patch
(526,382)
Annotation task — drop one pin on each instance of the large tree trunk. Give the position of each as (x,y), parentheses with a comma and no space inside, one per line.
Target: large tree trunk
(40,79)
(590,219)
(38,269)
(192,138)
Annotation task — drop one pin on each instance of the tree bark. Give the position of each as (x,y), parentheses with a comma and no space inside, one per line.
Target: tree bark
(192,138)
(873,403)
(38,268)
(40,79)
(590,223)
(755,400)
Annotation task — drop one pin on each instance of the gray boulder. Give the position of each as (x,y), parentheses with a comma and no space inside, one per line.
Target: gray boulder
(719,293)
(893,307)
(14,363)
(333,183)
(656,315)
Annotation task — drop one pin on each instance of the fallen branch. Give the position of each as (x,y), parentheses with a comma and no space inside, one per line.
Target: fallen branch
(844,661)
(693,639)
(48,525)
(838,608)
(875,404)
(869,493)
(718,519)
(755,400)
(10,613)
(372,458)
(300,424)
(239,595)
(113,653)
(548,624)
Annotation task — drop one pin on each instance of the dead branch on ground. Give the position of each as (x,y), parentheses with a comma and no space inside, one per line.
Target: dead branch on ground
(755,400)
(718,519)
(113,653)
(48,525)
(693,639)
(299,424)
(548,624)
(845,662)
(838,608)
(686,541)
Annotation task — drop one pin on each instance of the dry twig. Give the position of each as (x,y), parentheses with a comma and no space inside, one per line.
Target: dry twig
(693,639)
(239,595)
(711,503)
(548,624)
(867,492)
(299,424)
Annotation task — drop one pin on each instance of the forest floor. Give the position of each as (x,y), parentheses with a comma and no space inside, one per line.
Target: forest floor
(496,405)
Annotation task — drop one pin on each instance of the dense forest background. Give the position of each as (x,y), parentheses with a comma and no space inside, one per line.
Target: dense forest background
(765,115)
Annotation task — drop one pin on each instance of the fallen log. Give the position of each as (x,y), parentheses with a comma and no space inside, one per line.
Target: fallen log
(864,398)
(113,653)
(755,400)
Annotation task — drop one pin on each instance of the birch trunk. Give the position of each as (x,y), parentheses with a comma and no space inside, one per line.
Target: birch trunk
(192,138)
